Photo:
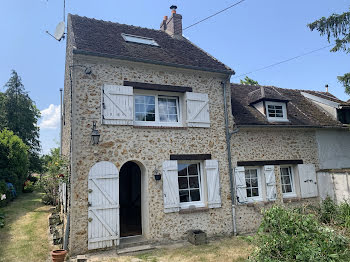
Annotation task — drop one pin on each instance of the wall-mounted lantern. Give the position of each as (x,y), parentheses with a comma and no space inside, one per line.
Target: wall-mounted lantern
(157,174)
(95,135)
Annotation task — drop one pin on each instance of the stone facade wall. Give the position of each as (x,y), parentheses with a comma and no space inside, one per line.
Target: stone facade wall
(271,144)
(147,146)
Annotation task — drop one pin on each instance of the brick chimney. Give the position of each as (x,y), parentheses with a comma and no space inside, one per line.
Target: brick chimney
(173,24)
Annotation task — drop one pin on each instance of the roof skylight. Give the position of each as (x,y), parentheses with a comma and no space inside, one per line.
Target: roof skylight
(139,39)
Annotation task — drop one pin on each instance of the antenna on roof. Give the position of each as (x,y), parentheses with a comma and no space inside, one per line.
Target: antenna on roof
(60,28)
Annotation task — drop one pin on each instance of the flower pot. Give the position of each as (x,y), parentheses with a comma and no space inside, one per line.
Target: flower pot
(58,255)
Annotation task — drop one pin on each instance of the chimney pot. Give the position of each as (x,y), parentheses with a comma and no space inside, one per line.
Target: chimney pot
(172,25)
(326,88)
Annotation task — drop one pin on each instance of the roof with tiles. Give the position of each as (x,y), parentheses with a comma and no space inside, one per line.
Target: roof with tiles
(102,38)
(300,110)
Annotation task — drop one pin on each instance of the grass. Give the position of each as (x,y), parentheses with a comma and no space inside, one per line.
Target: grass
(24,237)
(233,249)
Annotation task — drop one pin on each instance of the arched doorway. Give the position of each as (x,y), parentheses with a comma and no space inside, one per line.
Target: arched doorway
(130,200)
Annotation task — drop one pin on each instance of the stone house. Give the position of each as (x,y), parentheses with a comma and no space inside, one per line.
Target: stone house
(286,141)
(170,155)
(157,102)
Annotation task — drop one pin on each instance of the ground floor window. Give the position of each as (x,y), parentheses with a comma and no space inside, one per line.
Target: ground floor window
(252,183)
(287,181)
(190,182)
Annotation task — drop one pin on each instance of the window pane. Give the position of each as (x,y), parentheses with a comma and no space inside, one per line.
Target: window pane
(192,169)
(150,100)
(163,118)
(150,117)
(172,118)
(140,117)
(139,99)
(182,169)
(255,192)
(184,196)
(183,182)
(249,192)
(172,110)
(151,109)
(285,180)
(195,195)
(194,183)
(140,108)
(254,182)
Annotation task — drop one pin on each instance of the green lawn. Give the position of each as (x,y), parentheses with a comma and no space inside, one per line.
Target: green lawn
(230,249)
(25,235)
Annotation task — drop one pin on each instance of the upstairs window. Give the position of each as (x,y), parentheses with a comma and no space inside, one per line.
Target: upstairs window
(139,39)
(276,111)
(156,110)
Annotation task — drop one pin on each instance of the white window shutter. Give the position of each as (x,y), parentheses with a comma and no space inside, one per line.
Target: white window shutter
(197,110)
(241,186)
(171,186)
(270,178)
(117,105)
(308,181)
(213,183)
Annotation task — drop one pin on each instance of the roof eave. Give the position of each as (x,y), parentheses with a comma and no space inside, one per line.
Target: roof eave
(90,53)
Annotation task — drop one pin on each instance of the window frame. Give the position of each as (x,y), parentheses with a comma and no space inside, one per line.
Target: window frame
(157,121)
(293,182)
(284,111)
(127,38)
(260,197)
(202,188)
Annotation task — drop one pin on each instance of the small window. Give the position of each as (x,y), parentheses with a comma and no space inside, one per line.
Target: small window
(190,183)
(344,115)
(287,181)
(276,111)
(156,110)
(139,39)
(253,183)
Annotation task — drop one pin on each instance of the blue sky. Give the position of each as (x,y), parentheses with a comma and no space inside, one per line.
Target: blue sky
(249,36)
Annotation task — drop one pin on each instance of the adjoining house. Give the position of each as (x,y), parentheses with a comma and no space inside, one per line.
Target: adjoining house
(155,150)
(286,141)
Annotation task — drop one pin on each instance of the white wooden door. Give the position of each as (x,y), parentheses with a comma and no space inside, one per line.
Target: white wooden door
(103,215)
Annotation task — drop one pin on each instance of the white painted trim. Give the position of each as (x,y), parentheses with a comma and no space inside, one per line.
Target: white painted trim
(276,119)
(321,100)
(258,172)
(293,182)
(157,122)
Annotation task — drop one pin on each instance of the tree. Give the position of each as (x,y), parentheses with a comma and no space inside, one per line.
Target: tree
(249,81)
(14,161)
(21,116)
(336,26)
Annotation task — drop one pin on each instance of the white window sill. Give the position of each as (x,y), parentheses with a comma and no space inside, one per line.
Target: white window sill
(192,205)
(254,199)
(289,195)
(157,124)
(276,119)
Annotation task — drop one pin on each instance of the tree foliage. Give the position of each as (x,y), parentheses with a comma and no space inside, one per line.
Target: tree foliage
(336,26)
(19,113)
(14,161)
(249,81)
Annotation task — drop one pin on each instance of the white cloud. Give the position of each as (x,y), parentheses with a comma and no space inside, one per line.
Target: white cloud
(50,117)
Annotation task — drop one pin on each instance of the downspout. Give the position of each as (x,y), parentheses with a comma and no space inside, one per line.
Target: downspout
(229,157)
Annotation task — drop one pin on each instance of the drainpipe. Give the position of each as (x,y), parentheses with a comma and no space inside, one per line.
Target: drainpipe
(229,157)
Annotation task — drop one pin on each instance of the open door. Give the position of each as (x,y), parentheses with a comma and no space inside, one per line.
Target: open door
(103,215)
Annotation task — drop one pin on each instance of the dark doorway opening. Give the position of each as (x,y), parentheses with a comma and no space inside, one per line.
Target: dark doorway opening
(130,200)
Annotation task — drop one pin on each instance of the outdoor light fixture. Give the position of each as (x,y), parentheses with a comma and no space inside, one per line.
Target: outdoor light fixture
(157,175)
(95,135)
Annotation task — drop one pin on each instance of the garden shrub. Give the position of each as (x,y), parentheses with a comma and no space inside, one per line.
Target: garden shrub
(289,235)
(2,219)
(28,187)
(14,161)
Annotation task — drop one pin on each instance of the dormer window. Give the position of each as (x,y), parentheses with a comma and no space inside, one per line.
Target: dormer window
(276,111)
(139,39)
(269,102)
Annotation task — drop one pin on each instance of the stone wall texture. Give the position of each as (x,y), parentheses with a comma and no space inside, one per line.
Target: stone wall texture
(147,146)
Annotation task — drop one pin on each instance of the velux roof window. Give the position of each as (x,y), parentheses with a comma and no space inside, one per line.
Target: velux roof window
(139,39)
